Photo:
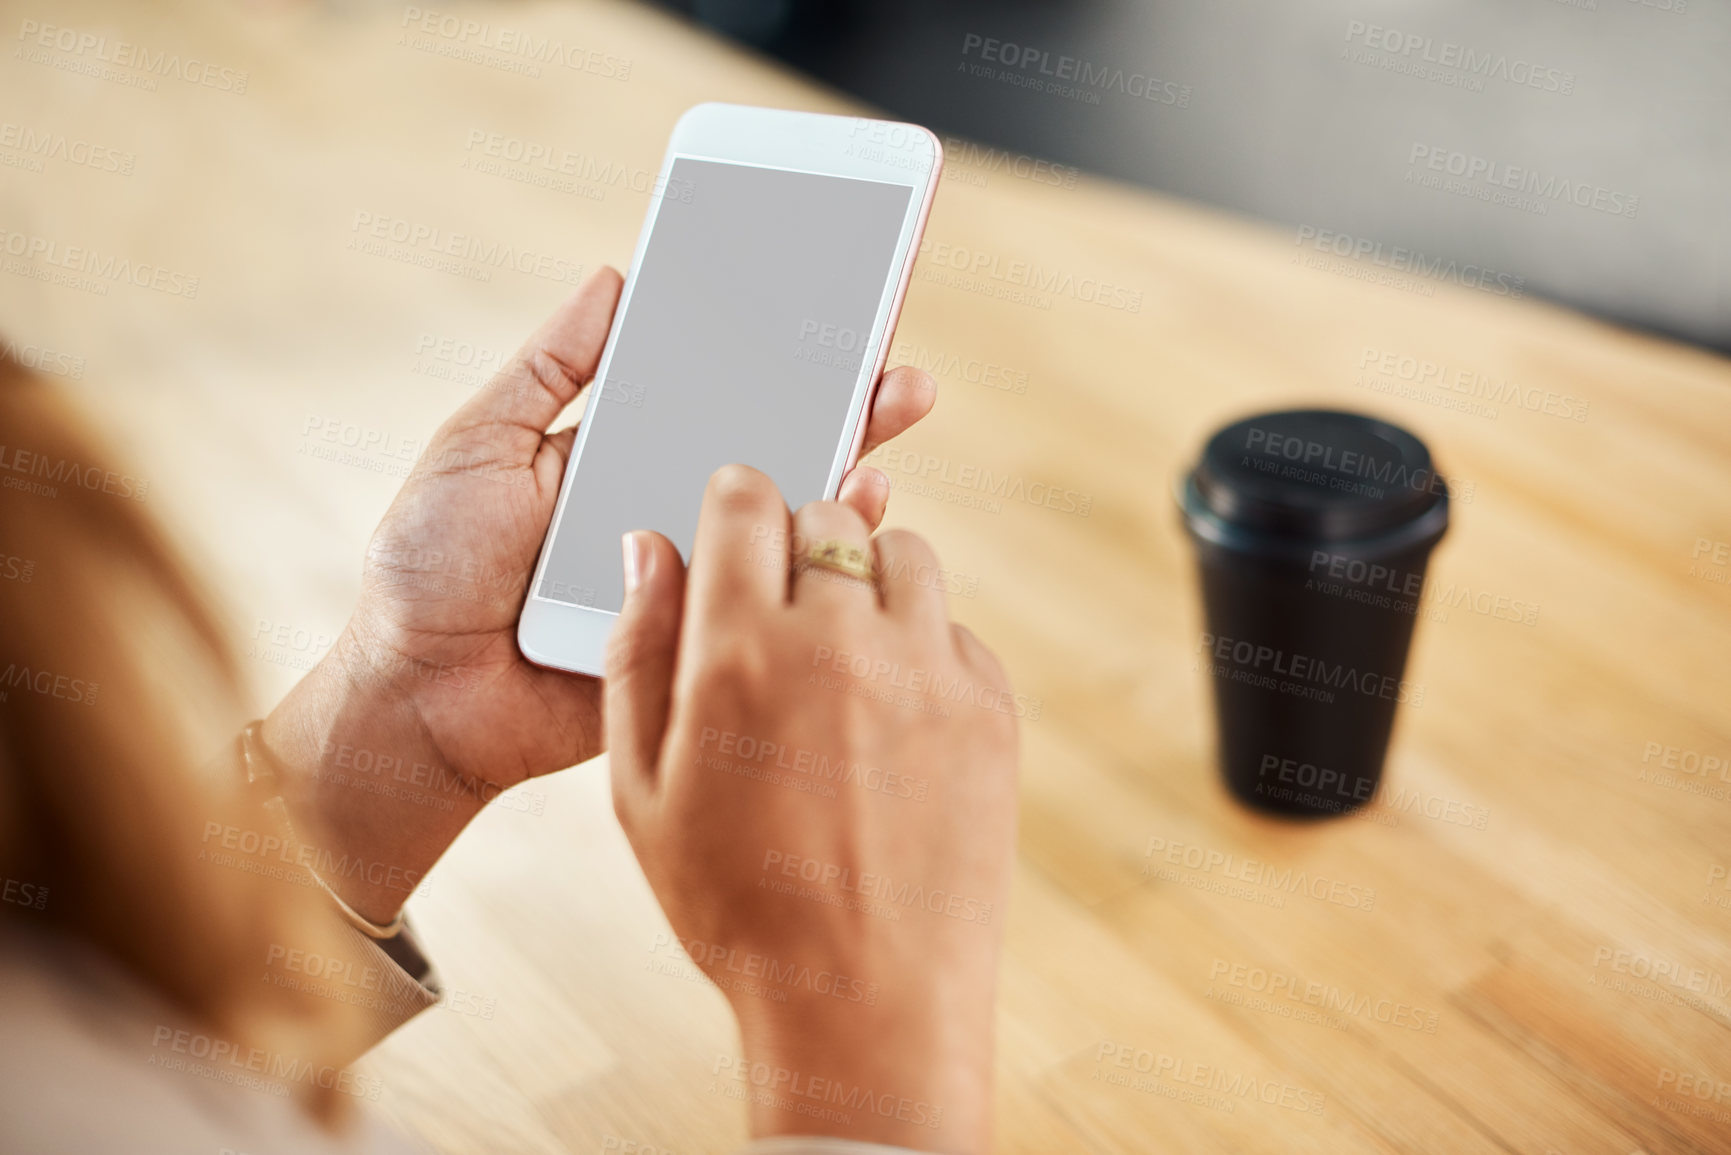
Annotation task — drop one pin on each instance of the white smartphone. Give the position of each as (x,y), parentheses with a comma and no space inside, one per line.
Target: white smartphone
(753,328)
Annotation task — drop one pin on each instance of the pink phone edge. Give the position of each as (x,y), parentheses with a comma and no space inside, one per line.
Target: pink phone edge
(907,277)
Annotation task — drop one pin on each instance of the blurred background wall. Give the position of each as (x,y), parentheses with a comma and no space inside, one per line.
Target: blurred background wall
(1578,148)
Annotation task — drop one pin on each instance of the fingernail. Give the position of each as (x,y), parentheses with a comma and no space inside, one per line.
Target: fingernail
(636,560)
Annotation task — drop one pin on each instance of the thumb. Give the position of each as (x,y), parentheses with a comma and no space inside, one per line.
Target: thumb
(639,667)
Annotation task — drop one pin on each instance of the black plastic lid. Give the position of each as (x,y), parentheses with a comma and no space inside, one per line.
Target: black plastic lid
(1318,474)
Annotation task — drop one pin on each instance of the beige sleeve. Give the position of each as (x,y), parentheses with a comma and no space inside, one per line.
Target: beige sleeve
(819,1145)
(399,982)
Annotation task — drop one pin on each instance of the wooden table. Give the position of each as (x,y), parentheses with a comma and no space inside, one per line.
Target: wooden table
(1545,965)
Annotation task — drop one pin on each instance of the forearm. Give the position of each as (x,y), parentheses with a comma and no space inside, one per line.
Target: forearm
(364,783)
(891,1073)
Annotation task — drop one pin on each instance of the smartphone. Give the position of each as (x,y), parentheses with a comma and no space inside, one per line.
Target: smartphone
(752,329)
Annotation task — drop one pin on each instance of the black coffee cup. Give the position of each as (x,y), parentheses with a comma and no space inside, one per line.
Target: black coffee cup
(1312,530)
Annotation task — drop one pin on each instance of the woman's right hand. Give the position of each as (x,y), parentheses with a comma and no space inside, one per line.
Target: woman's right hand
(820,785)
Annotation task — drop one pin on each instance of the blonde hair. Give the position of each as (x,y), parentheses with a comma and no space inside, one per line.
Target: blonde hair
(119,695)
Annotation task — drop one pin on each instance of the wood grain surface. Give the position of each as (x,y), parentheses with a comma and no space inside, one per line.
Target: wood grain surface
(1529,946)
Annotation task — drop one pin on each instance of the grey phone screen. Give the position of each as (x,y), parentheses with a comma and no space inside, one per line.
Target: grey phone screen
(742,342)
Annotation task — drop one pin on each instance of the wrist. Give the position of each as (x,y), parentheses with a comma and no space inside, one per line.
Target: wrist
(363,782)
(891,1073)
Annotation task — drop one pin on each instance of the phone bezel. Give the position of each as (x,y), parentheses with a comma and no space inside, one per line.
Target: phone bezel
(573,638)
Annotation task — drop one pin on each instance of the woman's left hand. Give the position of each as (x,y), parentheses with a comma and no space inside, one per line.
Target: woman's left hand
(425,696)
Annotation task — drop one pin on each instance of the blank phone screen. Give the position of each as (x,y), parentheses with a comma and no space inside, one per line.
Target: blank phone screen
(742,342)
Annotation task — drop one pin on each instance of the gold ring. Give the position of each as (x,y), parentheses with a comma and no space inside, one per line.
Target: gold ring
(839,557)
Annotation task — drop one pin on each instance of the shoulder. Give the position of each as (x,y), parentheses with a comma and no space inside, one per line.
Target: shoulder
(91,1061)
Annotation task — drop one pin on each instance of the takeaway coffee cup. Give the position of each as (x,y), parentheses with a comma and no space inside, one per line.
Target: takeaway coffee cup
(1312,530)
